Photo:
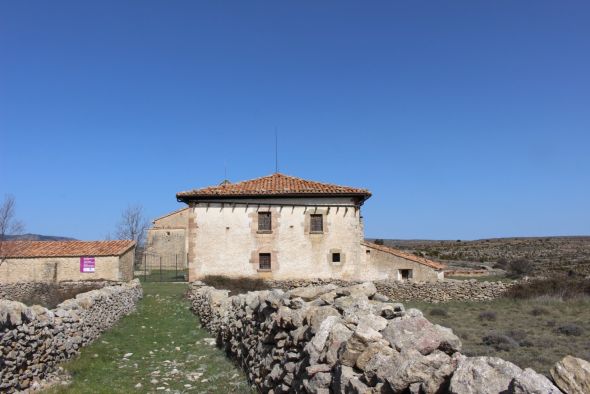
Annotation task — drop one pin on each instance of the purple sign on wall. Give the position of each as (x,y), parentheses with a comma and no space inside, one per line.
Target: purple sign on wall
(87,264)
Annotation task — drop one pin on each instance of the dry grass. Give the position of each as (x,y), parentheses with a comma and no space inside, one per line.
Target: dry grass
(50,295)
(563,288)
(534,332)
(235,285)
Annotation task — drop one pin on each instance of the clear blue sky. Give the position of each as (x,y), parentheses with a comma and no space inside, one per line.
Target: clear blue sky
(466,119)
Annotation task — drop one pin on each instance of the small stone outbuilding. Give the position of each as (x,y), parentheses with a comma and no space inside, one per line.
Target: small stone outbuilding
(57,261)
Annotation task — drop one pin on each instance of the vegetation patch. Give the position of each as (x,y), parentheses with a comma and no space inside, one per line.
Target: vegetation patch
(235,285)
(51,295)
(499,341)
(438,312)
(570,329)
(538,311)
(563,288)
(487,316)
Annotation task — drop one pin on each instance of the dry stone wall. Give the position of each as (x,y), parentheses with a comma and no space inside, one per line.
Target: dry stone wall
(445,290)
(33,340)
(329,339)
(440,291)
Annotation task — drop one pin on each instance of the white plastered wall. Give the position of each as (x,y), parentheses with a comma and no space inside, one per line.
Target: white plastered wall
(226,240)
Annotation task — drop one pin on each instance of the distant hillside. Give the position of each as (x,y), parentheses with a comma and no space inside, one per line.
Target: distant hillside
(38,237)
(563,254)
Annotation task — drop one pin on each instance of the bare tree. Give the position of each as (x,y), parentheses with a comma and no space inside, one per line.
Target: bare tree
(133,224)
(8,224)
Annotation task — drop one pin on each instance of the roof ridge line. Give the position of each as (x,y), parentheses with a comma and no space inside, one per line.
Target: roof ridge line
(276,184)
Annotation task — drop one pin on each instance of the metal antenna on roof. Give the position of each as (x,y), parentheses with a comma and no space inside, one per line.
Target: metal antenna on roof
(225,180)
(276,150)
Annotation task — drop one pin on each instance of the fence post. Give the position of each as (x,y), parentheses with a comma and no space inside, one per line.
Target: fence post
(175,266)
(145,267)
(160,268)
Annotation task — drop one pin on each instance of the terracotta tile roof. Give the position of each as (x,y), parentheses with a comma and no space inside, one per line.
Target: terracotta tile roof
(405,255)
(29,249)
(273,185)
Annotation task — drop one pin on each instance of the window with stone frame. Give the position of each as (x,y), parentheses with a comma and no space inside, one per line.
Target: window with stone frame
(264,221)
(264,261)
(316,223)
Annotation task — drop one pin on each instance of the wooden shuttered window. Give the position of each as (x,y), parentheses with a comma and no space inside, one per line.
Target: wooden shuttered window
(264,261)
(264,221)
(316,223)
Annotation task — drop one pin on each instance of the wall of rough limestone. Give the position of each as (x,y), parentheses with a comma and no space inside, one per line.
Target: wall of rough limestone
(34,339)
(329,339)
(439,291)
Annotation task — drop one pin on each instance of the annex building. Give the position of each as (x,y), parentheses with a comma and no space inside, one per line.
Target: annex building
(281,227)
(57,261)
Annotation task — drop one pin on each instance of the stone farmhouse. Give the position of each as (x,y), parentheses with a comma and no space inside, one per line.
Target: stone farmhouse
(281,227)
(58,261)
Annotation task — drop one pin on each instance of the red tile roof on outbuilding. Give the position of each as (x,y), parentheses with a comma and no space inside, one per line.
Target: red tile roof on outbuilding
(32,249)
(405,255)
(279,185)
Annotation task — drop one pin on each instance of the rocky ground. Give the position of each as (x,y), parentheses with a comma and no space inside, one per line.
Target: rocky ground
(160,348)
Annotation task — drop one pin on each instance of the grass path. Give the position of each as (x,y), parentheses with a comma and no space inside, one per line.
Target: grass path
(159,348)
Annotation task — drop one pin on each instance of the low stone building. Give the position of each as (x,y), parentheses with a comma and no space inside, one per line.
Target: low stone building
(282,227)
(57,261)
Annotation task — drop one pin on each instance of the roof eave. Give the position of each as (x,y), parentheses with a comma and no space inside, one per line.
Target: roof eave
(186,198)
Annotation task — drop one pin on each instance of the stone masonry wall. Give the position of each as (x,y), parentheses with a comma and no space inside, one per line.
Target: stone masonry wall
(33,340)
(445,290)
(440,291)
(329,339)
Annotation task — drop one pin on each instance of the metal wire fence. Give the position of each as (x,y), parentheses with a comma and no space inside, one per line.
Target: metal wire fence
(163,268)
